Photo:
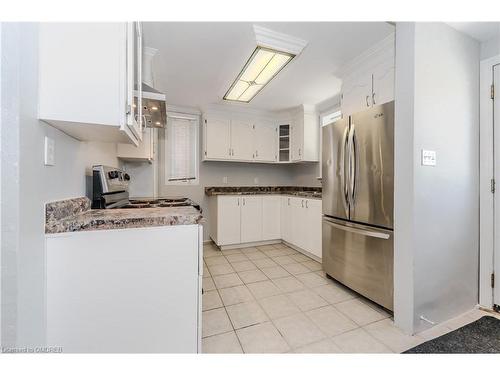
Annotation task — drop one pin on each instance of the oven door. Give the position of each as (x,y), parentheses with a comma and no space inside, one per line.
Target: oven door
(360,257)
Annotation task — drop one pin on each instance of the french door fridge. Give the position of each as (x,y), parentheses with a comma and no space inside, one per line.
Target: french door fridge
(358,199)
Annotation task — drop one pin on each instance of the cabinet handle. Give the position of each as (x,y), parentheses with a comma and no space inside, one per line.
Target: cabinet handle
(373,98)
(367,104)
(256,153)
(306,204)
(299,151)
(289,201)
(302,202)
(238,201)
(243,201)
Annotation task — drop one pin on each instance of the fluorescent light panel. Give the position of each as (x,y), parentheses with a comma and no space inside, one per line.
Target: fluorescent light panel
(261,67)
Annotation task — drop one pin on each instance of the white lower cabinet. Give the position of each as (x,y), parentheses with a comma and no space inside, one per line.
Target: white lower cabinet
(314,226)
(228,220)
(251,219)
(286,219)
(271,217)
(245,219)
(124,290)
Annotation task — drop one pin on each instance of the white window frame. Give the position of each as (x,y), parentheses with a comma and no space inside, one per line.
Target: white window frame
(196,119)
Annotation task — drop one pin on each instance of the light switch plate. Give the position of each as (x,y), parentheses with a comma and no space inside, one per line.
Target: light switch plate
(50,151)
(224,180)
(429,158)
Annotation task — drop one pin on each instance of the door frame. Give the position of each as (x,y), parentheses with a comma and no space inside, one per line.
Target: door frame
(486,173)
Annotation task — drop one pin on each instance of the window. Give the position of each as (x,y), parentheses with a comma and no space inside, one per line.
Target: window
(330,117)
(181,150)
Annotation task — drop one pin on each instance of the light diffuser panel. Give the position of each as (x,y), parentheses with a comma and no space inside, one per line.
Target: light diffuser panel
(262,67)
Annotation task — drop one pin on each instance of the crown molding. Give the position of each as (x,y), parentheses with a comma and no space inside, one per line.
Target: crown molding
(385,44)
(278,41)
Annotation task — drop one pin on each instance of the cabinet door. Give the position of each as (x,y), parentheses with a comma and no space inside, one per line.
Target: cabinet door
(286,221)
(298,228)
(297,139)
(242,147)
(217,138)
(228,220)
(251,219)
(314,226)
(75,59)
(383,83)
(310,141)
(265,141)
(271,217)
(143,152)
(356,93)
(134,78)
(136,300)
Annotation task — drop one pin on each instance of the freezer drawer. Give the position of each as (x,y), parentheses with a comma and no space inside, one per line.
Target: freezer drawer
(361,258)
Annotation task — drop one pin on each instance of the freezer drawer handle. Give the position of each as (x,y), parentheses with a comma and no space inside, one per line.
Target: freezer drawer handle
(364,232)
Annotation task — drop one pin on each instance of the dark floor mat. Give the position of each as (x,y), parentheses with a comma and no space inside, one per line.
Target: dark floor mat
(481,336)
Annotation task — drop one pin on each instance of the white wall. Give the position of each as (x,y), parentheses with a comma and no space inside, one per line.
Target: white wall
(436,208)
(490,48)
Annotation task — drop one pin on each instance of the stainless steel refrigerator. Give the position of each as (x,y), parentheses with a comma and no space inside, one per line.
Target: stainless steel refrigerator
(358,200)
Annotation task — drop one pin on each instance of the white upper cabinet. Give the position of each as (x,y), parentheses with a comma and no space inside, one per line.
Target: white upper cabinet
(243,140)
(242,133)
(217,138)
(145,151)
(88,73)
(383,83)
(356,93)
(236,137)
(305,136)
(369,79)
(265,142)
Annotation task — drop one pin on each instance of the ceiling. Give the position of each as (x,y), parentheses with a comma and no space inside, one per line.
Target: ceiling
(197,61)
(481,31)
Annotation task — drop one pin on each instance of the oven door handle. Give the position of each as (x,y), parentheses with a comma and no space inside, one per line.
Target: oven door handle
(364,232)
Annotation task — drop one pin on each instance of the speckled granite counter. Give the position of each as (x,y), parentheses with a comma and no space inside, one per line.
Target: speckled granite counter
(72,215)
(301,191)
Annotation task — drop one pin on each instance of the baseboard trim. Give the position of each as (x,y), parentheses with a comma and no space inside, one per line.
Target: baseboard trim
(303,252)
(263,243)
(248,244)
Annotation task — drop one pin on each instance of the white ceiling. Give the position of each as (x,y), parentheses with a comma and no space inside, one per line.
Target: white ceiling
(481,31)
(197,62)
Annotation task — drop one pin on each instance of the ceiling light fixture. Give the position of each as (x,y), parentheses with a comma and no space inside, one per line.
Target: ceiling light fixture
(274,51)
(261,67)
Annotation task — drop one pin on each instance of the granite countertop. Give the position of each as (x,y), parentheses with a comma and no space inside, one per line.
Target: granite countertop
(73,215)
(301,191)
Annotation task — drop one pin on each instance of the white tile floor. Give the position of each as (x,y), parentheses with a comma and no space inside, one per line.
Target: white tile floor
(272,299)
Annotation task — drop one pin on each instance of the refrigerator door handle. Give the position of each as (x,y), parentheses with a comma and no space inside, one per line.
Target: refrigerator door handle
(364,232)
(353,166)
(345,169)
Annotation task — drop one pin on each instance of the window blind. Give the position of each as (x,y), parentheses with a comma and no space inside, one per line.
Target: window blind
(181,146)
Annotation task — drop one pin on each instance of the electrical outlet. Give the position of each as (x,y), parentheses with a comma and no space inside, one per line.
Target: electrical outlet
(50,151)
(224,180)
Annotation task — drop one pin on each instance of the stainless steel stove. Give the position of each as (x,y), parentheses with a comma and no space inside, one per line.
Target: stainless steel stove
(111,190)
